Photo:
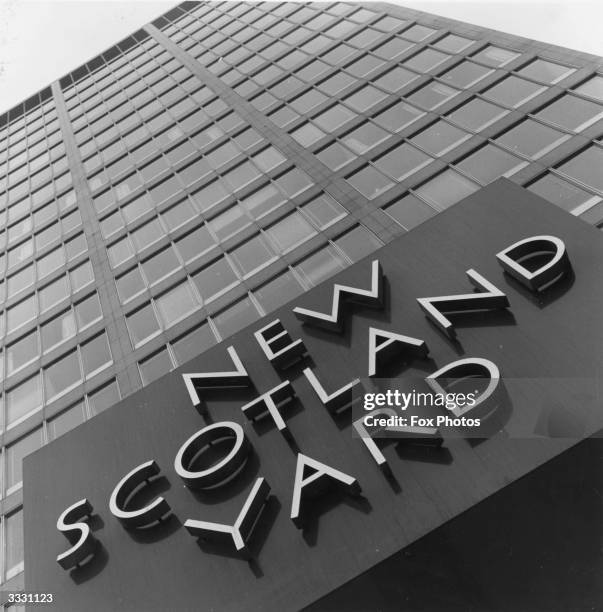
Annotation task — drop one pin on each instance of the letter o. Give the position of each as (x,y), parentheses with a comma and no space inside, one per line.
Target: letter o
(225,468)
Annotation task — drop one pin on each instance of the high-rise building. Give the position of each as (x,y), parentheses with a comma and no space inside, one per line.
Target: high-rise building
(230,156)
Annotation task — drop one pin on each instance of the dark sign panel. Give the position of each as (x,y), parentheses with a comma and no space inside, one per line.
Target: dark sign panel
(244,480)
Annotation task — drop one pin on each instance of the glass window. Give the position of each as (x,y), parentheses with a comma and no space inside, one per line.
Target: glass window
(395,79)
(142,324)
(586,167)
(289,232)
(147,234)
(120,251)
(426,60)
(365,137)
(358,242)
(58,330)
(160,265)
(545,71)
(369,182)
(16,452)
(531,138)
(62,375)
(307,134)
(335,156)
(398,116)
(321,265)
(155,366)
(432,95)
(231,221)
(392,48)
(571,112)
(513,91)
(565,195)
(65,421)
(336,83)
(195,243)
(176,303)
(278,291)
(13,526)
(178,215)
(440,137)
(495,56)
(103,398)
(409,211)
(324,211)
(236,317)
(252,254)
(489,163)
(446,189)
(294,182)
(88,311)
(54,293)
(129,284)
(477,114)
(79,277)
(22,352)
(453,43)
(214,279)
(465,74)
(593,87)
(95,354)
(193,343)
(333,118)
(402,161)
(21,313)
(363,66)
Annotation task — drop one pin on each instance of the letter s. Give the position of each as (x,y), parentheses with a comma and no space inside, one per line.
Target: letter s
(78,534)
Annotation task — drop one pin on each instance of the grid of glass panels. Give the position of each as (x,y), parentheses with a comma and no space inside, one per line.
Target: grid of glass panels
(202,214)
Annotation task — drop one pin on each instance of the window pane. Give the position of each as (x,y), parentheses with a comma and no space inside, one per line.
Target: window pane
(446,189)
(22,352)
(15,453)
(21,313)
(365,137)
(477,114)
(560,192)
(324,210)
(129,284)
(214,278)
(321,265)
(160,265)
(586,167)
(432,95)
(193,343)
(95,354)
(58,330)
(572,113)
(545,71)
(398,116)
(62,375)
(278,291)
(531,138)
(236,317)
(513,91)
(402,161)
(489,163)
(495,56)
(66,421)
(358,242)
(176,304)
(453,43)
(229,222)
(290,231)
(88,311)
(252,254)
(410,211)
(369,182)
(593,87)
(142,324)
(465,74)
(155,366)
(335,156)
(103,398)
(440,137)
(14,543)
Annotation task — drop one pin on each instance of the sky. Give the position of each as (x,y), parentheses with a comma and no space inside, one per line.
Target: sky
(41,40)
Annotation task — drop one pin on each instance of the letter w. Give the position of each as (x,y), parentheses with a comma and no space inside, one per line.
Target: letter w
(332,321)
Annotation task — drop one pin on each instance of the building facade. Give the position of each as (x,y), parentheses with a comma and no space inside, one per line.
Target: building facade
(227,158)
